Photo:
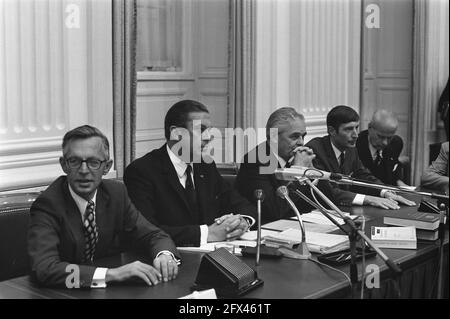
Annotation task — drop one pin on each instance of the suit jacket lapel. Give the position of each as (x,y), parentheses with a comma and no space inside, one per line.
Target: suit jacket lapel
(275,182)
(330,154)
(366,157)
(201,186)
(174,181)
(75,222)
(101,217)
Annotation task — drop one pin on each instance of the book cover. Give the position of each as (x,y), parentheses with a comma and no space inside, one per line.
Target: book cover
(427,234)
(420,220)
(394,237)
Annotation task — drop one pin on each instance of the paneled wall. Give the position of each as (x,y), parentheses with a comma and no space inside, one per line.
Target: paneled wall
(308,58)
(388,65)
(203,76)
(55,74)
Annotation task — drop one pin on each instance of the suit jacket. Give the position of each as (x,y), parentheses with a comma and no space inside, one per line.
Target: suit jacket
(155,189)
(250,178)
(326,160)
(436,175)
(388,171)
(56,234)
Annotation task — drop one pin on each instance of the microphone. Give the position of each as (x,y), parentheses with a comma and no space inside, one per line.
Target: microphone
(259,195)
(304,253)
(294,172)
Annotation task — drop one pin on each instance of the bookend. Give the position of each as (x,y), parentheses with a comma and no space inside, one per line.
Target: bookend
(427,207)
(226,273)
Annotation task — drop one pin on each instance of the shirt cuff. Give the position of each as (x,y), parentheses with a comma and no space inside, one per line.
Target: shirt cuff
(203,234)
(359,199)
(169,253)
(99,279)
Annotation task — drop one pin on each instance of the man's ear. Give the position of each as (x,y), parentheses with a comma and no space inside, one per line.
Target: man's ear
(331,131)
(62,162)
(174,133)
(107,166)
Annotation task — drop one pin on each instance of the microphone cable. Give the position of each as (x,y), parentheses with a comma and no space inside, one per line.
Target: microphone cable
(335,269)
(363,253)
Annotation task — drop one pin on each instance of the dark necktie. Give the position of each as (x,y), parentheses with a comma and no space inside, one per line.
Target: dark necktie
(90,232)
(341,162)
(190,190)
(377,158)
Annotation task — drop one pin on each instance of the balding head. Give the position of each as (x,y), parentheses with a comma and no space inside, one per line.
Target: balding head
(382,128)
(384,121)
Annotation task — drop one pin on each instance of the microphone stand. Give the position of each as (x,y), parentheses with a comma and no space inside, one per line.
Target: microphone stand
(443,208)
(304,252)
(259,194)
(443,203)
(351,235)
(355,182)
(320,208)
(355,231)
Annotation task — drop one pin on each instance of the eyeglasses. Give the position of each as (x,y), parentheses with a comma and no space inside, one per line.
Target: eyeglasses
(91,163)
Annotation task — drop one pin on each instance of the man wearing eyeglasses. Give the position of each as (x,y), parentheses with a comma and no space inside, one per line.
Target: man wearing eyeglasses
(81,218)
(175,188)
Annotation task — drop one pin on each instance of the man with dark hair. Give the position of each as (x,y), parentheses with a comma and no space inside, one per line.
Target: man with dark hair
(336,153)
(285,149)
(177,189)
(81,218)
(379,148)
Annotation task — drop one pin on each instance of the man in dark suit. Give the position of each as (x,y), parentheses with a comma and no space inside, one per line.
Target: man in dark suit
(336,153)
(435,177)
(81,218)
(379,148)
(258,166)
(179,188)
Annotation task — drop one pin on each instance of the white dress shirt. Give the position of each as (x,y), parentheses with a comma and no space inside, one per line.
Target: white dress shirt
(180,168)
(373,151)
(359,198)
(98,281)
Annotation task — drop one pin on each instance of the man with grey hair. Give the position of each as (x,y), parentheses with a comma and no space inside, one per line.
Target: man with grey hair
(379,148)
(285,133)
(81,218)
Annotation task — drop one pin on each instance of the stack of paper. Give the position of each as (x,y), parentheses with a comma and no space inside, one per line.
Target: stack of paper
(208,247)
(317,242)
(284,224)
(316,217)
(248,239)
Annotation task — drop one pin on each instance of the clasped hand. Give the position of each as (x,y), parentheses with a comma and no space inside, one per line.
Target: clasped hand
(227,227)
(164,269)
(303,156)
